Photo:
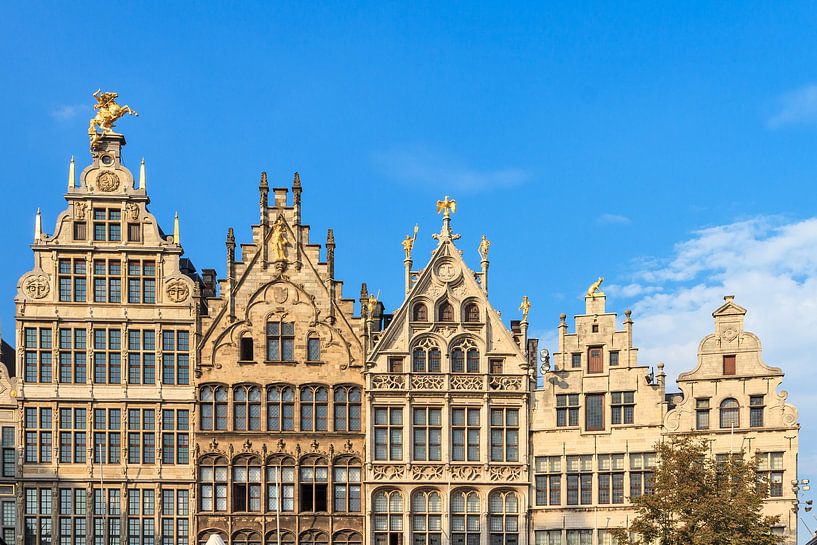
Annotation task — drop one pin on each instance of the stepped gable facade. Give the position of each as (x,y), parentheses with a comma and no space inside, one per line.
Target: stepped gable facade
(448,390)
(105,327)
(280,426)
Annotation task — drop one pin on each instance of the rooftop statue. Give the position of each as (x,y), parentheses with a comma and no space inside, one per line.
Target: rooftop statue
(108,113)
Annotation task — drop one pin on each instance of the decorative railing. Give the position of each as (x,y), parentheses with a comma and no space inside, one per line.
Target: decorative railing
(444,472)
(447,381)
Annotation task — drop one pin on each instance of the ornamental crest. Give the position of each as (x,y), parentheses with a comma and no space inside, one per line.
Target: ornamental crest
(133,211)
(108,181)
(177,290)
(280,294)
(36,286)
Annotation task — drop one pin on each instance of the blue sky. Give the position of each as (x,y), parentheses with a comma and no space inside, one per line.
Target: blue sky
(643,143)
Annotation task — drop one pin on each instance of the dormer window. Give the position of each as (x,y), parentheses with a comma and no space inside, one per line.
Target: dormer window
(446,313)
(471,312)
(729,365)
(420,313)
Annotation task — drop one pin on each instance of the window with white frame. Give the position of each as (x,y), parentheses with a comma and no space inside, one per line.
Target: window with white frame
(73,439)
(426,512)
(388,517)
(388,433)
(141,512)
(548,480)
(770,472)
(642,470)
(37,436)
(280,408)
(504,434)
(141,436)
(175,516)
(580,480)
(465,428)
(213,484)
(281,485)
(611,478)
(427,433)
(465,514)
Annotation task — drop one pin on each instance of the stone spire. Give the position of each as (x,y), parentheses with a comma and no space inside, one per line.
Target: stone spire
(72,177)
(142,177)
(176,234)
(38,226)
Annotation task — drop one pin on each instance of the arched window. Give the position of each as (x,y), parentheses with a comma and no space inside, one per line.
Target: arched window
(246,537)
(313,537)
(247,485)
(314,408)
(280,408)
(280,341)
(420,313)
(213,484)
(503,519)
(314,485)
(281,484)
(347,408)
(730,413)
(426,517)
(445,312)
(465,514)
(388,517)
(346,479)
(213,403)
(204,536)
(347,537)
(465,358)
(471,312)
(286,538)
(426,357)
(246,408)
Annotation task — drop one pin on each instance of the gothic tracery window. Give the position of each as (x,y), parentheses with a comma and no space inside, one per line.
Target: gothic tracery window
(426,357)
(246,408)
(465,357)
(213,404)
(420,312)
(445,312)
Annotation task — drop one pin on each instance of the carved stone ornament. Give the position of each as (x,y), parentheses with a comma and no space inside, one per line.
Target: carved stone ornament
(108,181)
(447,271)
(79,210)
(133,211)
(281,294)
(730,334)
(36,286)
(177,290)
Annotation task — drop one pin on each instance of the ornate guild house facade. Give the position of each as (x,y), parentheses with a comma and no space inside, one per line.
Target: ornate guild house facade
(147,404)
(279,436)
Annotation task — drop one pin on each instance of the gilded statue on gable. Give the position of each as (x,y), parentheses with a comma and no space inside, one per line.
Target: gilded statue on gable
(484,245)
(408,242)
(279,240)
(525,308)
(595,288)
(447,206)
(108,113)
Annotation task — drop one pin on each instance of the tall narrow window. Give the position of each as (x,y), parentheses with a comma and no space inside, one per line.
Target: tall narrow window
(611,478)
(280,341)
(346,485)
(426,512)
(213,405)
(107,281)
(594,360)
(80,230)
(280,408)
(38,366)
(504,435)
(72,511)
(72,280)
(9,454)
(107,516)
(313,349)
(729,365)
(314,408)
(594,412)
(281,485)
(37,435)
(107,437)
(175,515)
(756,406)
(471,312)
(465,427)
(245,349)
(642,468)
(247,485)
(175,436)
(730,413)
(134,232)
(142,281)
(73,439)
(107,356)
(613,358)
(576,360)
(770,472)
(313,490)
(548,480)
(388,433)
(37,513)
(73,350)
(213,484)
(388,517)
(176,357)
(427,429)
(503,518)
(446,312)
(141,436)
(141,356)
(246,408)
(702,413)
(141,511)
(580,480)
(465,514)
(347,408)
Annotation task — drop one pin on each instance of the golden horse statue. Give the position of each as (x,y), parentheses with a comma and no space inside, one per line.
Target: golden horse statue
(108,113)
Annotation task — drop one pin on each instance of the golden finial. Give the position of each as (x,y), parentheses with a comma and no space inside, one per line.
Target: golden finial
(72,179)
(38,226)
(525,307)
(108,113)
(449,206)
(408,242)
(484,244)
(595,288)
(142,177)
(176,234)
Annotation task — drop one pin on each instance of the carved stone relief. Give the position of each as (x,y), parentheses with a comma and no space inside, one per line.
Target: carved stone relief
(177,290)
(36,286)
(108,181)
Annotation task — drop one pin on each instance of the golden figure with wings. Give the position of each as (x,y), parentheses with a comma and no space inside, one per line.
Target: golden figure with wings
(108,113)
(449,206)
(408,242)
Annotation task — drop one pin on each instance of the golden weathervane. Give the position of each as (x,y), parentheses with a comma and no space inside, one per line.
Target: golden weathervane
(108,113)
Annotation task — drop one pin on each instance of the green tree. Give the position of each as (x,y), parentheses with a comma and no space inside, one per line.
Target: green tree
(698,500)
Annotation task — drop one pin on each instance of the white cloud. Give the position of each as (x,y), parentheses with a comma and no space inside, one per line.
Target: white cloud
(433,169)
(67,111)
(613,219)
(795,107)
(770,265)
